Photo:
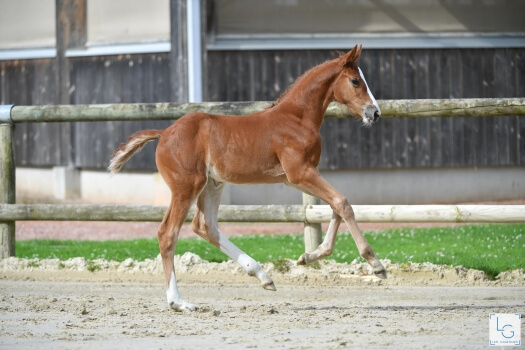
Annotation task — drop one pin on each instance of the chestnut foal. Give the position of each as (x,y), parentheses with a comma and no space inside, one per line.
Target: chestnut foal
(200,152)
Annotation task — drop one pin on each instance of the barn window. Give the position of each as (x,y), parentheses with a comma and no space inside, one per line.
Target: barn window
(239,24)
(27,24)
(127,21)
(28,28)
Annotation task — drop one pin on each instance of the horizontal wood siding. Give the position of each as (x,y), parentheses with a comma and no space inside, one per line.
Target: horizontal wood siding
(264,75)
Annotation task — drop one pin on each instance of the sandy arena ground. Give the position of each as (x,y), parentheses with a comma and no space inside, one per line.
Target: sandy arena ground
(47,304)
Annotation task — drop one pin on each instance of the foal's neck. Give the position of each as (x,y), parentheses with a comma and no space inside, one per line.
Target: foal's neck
(311,93)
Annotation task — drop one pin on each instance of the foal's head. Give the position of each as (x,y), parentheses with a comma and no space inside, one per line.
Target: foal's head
(350,88)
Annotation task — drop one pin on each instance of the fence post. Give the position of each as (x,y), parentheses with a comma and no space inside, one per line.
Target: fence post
(7,181)
(313,234)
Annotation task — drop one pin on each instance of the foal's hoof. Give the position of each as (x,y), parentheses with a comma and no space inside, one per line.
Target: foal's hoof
(302,260)
(269,286)
(183,306)
(381,273)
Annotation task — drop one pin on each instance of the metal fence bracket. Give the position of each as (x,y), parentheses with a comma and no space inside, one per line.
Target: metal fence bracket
(5,114)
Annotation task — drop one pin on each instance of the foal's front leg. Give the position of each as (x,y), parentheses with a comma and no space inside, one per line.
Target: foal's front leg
(327,247)
(310,180)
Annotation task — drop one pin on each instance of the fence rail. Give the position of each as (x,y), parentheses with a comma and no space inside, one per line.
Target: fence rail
(308,213)
(477,107)
(312,214)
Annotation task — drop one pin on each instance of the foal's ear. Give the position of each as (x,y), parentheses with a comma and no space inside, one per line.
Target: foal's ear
(353,55)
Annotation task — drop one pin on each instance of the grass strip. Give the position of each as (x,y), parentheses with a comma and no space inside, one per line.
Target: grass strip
(490,248)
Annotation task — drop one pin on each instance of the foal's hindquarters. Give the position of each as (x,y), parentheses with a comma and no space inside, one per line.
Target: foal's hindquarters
(182,164)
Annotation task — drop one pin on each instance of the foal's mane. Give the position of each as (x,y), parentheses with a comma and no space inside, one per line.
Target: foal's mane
(300,78)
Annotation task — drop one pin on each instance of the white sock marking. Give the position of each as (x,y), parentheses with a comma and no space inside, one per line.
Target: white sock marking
(248,264)
(172,293)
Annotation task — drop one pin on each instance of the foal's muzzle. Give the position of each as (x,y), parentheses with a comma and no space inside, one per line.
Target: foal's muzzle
(371,114)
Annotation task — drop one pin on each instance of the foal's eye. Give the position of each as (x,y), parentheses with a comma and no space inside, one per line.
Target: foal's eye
(355,82)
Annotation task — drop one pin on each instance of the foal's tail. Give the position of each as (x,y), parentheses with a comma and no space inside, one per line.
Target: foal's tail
(126,150)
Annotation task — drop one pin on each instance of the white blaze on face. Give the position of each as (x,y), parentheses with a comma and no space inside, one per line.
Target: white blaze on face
(368,90)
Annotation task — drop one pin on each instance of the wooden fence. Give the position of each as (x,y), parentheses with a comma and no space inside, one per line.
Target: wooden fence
(310,213)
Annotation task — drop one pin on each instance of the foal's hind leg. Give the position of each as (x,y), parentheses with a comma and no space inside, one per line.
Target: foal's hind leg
(168,234)
(205,225)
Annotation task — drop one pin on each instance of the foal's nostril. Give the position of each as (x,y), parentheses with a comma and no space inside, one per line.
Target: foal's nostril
(376,115)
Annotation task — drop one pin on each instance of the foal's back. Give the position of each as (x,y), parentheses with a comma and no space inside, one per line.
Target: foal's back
(234,149)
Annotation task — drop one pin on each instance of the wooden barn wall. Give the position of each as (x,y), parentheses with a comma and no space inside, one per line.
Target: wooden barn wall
(117,79)
(264,75)
(396,74)
(33,82)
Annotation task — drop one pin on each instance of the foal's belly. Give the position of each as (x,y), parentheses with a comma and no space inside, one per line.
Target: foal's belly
(247,175)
